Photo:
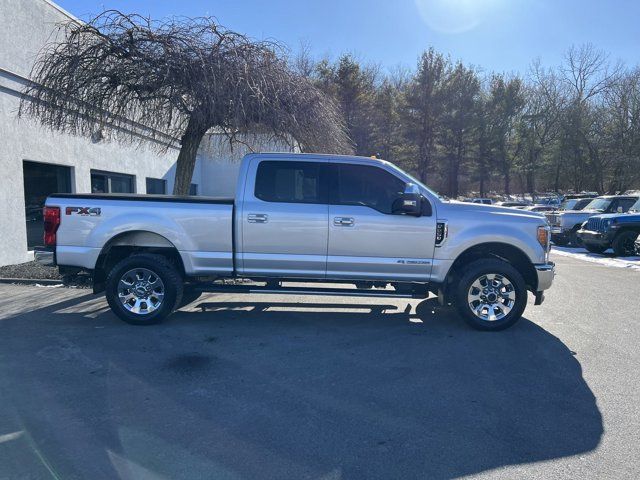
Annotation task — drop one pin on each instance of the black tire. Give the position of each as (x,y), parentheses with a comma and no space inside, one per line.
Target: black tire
(593,248)
(574,240)
(560,241)
(624,245)
(475,271)
(189,295)
(161,267)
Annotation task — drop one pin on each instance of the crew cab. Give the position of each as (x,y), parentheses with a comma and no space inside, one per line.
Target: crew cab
(565,224)
(303,219)
(614,230)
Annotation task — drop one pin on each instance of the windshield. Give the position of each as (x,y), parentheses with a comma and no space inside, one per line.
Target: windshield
(569,204)
(580,204)
(635,207)
(414,180)
(600,204)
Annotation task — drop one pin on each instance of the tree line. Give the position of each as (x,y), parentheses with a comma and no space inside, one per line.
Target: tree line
(575,127)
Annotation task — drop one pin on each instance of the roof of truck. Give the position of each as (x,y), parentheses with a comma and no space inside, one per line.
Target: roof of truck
(295,156)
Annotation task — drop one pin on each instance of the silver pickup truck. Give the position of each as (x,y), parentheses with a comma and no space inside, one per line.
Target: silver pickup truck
(361,224)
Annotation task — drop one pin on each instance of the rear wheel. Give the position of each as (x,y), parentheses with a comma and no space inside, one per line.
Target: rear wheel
(143,289)
(624,244)
(574,240)
(559,241)
(491,295)
(594,248)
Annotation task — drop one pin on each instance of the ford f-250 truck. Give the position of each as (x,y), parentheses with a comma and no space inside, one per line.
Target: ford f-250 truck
(307,218)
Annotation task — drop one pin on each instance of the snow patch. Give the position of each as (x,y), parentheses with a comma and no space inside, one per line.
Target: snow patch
(607,259)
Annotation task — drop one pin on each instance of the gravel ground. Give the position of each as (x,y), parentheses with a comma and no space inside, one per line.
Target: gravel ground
(35,271)
(30,270)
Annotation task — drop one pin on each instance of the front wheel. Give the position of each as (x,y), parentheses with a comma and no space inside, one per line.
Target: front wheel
(574,240)
(143,289)
(491,295)
(624,244)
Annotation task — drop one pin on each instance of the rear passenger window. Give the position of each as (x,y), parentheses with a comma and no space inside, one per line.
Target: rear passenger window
(367,186)
(291,182)
(626,203)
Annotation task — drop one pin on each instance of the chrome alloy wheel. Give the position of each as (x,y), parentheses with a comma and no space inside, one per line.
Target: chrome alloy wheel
(491,297)
(141,291)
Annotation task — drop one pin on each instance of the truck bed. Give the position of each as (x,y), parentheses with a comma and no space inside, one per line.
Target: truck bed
(200,228)
(145,197)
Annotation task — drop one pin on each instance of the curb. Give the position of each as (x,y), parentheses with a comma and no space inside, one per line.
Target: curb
(31,281)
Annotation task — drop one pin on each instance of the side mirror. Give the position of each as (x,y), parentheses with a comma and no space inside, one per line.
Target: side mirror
(410,202)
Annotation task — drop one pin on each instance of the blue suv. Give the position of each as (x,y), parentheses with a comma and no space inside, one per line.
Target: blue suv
(614,230)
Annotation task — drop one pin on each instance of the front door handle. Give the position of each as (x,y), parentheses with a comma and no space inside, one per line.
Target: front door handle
(257,218)
(343,222)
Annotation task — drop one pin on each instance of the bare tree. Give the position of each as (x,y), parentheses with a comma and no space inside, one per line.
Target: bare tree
(177,78)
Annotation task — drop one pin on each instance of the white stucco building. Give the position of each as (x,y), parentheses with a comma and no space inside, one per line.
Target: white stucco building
(35,162)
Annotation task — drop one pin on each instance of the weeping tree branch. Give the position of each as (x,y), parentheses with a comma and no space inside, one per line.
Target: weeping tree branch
(180,78)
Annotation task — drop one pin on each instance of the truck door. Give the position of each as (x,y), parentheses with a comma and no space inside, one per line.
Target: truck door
(366,240)
(285,219)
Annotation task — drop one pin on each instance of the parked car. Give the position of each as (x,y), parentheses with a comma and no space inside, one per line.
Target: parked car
(549,201)
(298,217)
(575,203)
(614,230)
(541,208)
(638,246)
(510,204)
(565,224)
(484,201)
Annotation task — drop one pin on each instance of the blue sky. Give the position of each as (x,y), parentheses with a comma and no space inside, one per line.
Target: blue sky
(497,35)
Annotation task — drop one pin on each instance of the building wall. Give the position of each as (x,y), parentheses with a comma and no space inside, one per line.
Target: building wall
(219,161)
(25,26)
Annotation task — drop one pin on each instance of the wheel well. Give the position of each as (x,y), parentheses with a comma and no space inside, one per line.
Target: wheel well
(502,251)
(127,244)
(628,229)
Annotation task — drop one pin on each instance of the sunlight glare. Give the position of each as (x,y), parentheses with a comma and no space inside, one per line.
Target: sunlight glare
(454,16)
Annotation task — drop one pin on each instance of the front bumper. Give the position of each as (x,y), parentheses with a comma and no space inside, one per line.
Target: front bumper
(546,272)
(558,234)
(45,256)
(595,238)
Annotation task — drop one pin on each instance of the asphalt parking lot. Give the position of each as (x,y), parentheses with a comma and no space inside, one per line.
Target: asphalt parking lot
(243,387)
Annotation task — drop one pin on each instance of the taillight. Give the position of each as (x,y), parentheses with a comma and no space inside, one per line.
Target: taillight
(51,223)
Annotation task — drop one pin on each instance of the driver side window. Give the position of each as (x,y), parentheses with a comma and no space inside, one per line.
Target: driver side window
(365,185)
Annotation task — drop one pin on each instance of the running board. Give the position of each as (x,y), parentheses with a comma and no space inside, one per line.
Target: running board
(332,292)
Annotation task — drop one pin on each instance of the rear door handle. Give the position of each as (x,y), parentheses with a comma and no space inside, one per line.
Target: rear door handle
(343,222)
(257,218)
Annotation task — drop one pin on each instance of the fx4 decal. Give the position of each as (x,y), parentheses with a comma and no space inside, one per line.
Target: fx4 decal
(84,211)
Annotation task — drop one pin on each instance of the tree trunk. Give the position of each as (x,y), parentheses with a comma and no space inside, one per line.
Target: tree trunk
(507,182)
(187,156)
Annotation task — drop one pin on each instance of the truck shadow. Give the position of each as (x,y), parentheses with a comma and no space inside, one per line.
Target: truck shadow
(230,389)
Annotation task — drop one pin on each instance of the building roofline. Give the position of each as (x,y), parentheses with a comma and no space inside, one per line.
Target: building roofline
(63,11)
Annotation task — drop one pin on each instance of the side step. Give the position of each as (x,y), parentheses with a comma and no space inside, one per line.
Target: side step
(333,292)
